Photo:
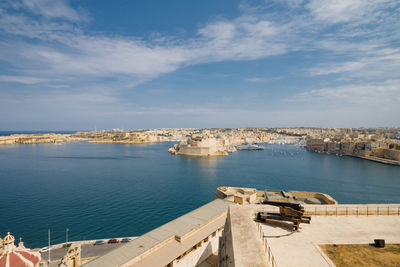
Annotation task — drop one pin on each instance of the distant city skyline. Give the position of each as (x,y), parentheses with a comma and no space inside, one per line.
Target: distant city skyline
(81,65)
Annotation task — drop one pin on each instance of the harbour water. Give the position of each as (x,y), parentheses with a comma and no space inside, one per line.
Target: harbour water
(106,190)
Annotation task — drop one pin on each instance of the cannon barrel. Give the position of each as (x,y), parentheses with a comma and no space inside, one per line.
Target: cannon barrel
(294,206)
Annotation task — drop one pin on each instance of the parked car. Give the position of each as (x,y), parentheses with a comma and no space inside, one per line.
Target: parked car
(99,242)
(126,240)
(45,249)
(112,241)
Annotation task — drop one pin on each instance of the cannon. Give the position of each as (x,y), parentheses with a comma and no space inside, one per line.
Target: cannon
(291,212)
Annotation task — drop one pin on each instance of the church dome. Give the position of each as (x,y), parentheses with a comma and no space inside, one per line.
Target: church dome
(8,239)
(17,256)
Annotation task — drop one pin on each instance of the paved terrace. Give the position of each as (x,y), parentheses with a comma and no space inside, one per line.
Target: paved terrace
(167,242)
(301,248)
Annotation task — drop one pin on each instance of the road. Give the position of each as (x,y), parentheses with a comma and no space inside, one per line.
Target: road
(88,251)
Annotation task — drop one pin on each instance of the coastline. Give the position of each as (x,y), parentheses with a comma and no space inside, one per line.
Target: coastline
(122,142)
(16,139)
(221,142)
(379,160)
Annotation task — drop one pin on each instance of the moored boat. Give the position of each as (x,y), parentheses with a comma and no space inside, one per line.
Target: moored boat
(247,146)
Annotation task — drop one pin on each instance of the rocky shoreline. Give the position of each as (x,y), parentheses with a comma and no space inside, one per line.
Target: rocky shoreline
(38,138)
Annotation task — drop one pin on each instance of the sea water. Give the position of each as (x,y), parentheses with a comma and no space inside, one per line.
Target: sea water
(114,190)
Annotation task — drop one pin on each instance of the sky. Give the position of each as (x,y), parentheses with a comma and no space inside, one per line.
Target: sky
(98,64)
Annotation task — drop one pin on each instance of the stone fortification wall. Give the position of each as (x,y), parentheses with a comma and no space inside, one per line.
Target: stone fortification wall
(185,241)
(316,144)
(328,199)
(392,154)
(237,194)
(367,149)
(347,148)
(200,252)
(333,147)
(379,152)
(225,249)
(196,151)
(385,153)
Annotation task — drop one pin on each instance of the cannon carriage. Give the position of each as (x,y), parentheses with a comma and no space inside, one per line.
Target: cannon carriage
(290,212)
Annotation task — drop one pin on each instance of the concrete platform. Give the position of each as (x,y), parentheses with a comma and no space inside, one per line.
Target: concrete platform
(301,248)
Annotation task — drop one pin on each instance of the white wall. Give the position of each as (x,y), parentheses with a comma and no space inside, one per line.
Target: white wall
(200,254)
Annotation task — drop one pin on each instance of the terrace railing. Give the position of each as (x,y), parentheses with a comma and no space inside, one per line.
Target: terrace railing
(270,257)
(346,210)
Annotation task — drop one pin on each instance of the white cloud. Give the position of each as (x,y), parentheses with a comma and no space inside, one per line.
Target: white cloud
(263,79)
(66,51)
(53,49)
(353,105)
(52,9)
(374,64)
(261,28)
(370,95)
(221,31)
(254,79)
(337,68)
(337,11)
(106,57)
(20,79)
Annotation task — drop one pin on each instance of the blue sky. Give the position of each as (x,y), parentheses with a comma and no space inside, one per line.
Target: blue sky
(77,65)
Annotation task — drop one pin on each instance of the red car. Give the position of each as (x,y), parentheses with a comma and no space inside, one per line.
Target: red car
(112,241)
